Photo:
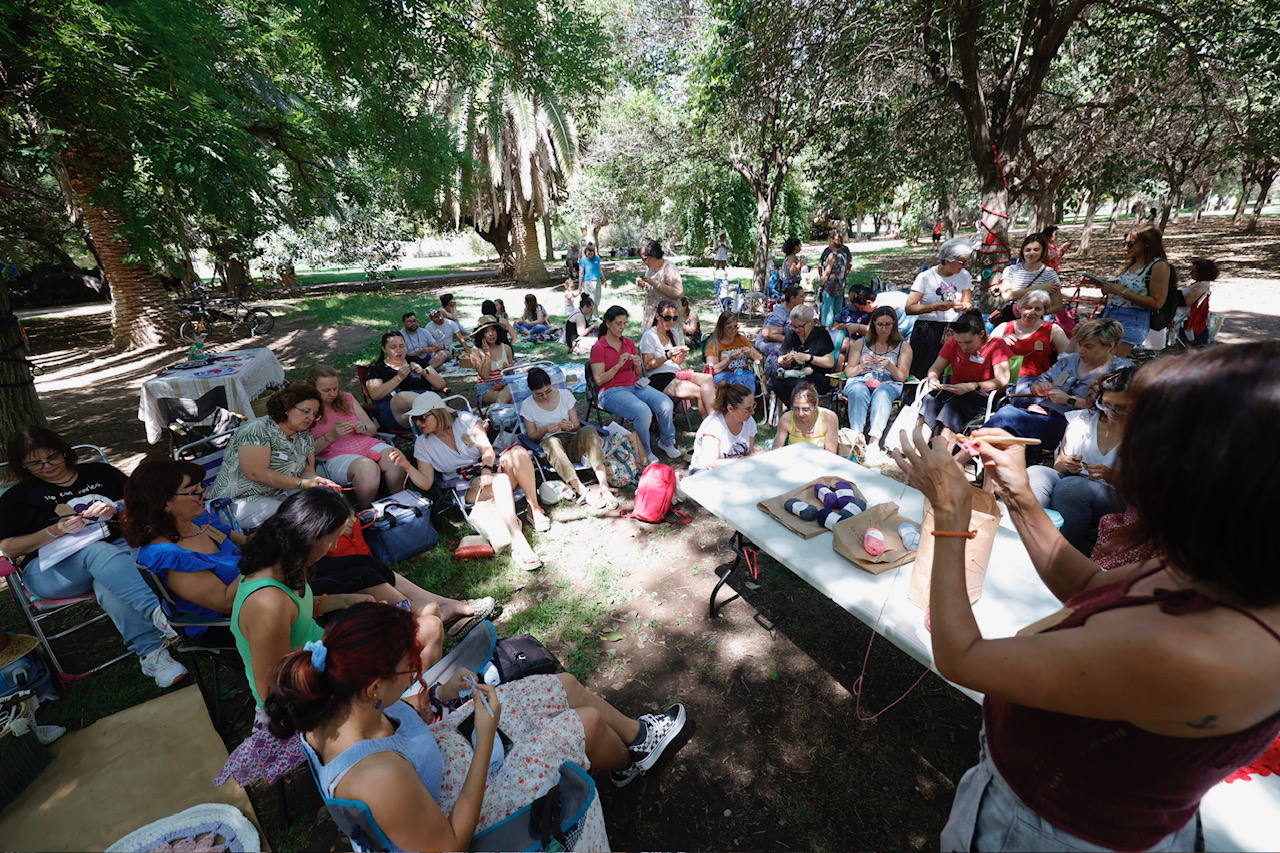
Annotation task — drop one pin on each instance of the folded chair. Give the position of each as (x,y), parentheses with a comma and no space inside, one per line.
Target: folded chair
(36,610)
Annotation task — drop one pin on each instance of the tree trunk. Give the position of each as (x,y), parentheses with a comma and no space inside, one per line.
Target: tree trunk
(857,223)
(1245,190)
(548,247)
(1089,213)
(1044,208)
(595,233)
(142,314)
(19,405)
(1166,205)
(497,233)
(237,275)
(529,268)
(1115,210)
(764,224)
(1264,187)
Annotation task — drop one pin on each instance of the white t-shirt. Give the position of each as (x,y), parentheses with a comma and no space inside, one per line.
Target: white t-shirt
(1017,277)
(533,412)
(651,345)
(730,446)
(442,333)
(443,458)
(936,288)
(1081,439)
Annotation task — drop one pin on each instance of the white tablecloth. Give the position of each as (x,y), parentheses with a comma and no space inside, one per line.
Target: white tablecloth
(245,373)
(1242,815)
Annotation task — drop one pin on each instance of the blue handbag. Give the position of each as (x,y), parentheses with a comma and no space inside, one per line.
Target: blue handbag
(399,527)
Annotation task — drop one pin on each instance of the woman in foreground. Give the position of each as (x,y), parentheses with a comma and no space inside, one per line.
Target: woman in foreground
(1085,748)
(426,785)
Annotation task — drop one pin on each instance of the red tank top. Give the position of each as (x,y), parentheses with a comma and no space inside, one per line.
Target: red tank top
(1036,350)
(1108,781)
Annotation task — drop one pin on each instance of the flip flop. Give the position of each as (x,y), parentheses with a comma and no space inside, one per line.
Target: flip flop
(542,522)
(531,563)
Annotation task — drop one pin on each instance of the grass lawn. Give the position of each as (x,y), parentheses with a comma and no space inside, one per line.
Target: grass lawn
(328,275)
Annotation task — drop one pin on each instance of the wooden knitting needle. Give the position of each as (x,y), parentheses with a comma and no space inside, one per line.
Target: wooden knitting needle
(1005,439)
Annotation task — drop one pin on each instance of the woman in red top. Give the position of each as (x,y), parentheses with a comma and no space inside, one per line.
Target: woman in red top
(979,366)
(1107,722)
(615,367)
(1029,336)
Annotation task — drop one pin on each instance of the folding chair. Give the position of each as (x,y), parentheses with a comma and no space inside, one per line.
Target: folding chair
(199,646)
(207,415)
(36,610)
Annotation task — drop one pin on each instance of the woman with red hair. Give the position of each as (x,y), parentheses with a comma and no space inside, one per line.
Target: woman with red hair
(429,786)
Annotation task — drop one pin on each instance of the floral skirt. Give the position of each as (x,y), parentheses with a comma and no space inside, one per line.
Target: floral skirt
(262,756)
(545,732)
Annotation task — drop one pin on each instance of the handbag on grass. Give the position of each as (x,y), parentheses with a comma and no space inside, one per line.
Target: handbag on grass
(399,527)
(517,657)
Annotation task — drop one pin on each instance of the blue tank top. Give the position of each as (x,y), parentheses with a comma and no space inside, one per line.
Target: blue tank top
(412,740)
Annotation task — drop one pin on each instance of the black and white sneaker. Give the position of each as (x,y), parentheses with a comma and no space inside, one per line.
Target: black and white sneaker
(660,731)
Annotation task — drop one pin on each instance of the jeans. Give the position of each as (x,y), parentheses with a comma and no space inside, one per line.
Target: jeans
(1080,501)
(640,405)
(533,328)
(743,377)
(1048,428)
(108,570)
(880,400)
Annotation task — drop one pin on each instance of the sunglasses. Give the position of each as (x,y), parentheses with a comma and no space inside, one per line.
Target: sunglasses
(670,317)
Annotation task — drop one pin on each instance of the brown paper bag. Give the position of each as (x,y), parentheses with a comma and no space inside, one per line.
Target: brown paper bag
(775,507)
(846,539)
(977,551)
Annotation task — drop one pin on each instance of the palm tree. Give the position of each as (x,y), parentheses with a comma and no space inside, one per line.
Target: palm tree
(519,148)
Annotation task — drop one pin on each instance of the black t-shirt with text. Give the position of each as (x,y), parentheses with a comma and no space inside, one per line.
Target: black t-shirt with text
(26,508)
(818,343)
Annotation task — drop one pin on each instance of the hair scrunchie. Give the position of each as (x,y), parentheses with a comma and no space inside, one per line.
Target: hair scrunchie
(319,653)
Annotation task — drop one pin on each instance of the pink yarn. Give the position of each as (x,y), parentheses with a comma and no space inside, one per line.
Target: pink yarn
(873,542)
(872,384)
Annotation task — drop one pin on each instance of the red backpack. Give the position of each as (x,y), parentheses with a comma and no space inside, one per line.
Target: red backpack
(653,496)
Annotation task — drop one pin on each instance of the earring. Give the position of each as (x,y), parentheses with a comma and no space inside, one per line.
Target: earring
(377,706)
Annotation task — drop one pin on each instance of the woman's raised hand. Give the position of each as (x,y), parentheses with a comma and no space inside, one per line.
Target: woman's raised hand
(932,469)
(1006,465)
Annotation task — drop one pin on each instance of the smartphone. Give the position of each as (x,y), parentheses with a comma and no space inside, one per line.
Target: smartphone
(1091,277)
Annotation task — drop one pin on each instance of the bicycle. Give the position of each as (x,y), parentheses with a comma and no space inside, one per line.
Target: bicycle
(204,314)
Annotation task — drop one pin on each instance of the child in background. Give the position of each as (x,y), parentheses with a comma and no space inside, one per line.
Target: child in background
(572,294)
(1192,315)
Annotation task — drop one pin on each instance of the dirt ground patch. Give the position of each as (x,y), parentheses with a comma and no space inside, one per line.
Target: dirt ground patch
(785,754)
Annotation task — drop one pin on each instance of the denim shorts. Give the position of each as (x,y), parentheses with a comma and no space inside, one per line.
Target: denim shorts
(987,815)
(1136,322)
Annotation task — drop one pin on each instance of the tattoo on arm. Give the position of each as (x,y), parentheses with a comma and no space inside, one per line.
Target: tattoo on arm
(1210,721)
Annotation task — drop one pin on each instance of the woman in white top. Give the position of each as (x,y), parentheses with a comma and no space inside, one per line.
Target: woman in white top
(727,434)
(550,417)
(659,281)
(938,297)
(1022,276)
(878,365)
(1081,485)
(455,446)
(665,354)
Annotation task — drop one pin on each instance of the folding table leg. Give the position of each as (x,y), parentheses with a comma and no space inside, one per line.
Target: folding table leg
(713,606)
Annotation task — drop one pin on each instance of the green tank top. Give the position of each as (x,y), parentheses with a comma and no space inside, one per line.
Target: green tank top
(304,628)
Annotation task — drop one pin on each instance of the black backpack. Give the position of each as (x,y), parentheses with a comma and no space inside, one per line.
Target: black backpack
(1163,316)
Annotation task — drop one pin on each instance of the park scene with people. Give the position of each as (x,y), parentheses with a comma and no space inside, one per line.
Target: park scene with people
(649,425)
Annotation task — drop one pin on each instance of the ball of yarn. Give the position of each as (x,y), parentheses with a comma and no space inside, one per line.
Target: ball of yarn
(910,535)
(873,542)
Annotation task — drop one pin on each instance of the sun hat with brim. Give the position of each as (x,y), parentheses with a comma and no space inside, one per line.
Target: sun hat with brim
(426,401)
(19,646)
(483,323)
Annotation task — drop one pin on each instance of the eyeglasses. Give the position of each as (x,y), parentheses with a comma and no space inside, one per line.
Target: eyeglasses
(44,462)
(544,393)
(194,492)
(885,324)
(310,413)
(802,410)
(670,318)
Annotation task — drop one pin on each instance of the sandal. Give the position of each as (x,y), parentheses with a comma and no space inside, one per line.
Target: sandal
(541,522)
(463,626)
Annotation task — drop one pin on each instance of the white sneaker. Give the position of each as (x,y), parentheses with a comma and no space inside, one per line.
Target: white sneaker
(161,666)
(162,624)
(670,451)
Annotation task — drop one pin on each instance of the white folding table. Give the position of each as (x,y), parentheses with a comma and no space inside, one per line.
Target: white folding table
(1242,815)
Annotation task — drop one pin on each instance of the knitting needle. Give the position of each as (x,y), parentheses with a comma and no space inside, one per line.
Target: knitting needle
(1006,439)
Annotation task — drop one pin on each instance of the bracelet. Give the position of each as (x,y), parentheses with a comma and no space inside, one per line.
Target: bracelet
(49,534)
(318,607)
(956,534)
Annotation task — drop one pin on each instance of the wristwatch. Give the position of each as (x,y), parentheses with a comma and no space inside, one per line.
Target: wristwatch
(1071,401)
